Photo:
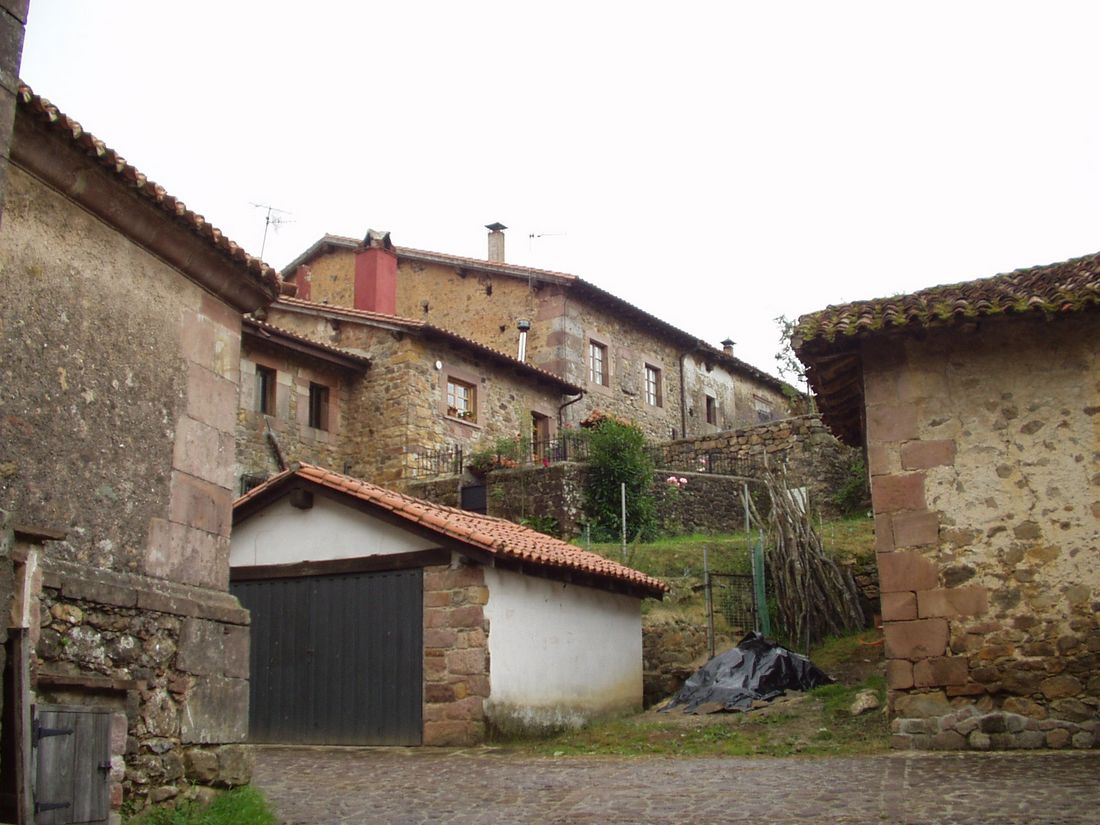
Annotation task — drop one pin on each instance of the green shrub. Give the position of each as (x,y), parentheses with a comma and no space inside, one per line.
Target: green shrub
(617,455)
(853,495)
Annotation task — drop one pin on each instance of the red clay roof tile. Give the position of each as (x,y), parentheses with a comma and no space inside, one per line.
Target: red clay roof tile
(496,536)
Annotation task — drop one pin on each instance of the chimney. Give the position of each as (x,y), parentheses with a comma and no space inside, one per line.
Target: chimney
(376,274)
(496,242)
(727,346)
(522,325)
(303,279)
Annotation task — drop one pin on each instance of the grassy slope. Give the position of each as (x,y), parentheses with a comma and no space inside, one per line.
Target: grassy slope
(816,722)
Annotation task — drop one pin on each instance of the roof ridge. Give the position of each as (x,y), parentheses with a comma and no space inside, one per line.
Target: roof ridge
(489,533)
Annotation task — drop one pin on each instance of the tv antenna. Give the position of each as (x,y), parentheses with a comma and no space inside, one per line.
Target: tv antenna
(274,218)
(531,238)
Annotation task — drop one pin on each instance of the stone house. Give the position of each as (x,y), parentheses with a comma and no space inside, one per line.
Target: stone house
(122,326)
(979,407)
(628,362)
(405,392)
(465,624)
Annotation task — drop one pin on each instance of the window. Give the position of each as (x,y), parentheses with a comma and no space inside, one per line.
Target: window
(318,406)
(265,390)
(652,386)
(763,407)
(712,410)
(540,435)
(461,400)
(597,364)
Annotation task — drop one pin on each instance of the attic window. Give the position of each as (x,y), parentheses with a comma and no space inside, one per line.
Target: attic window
(764,409)
(712,410)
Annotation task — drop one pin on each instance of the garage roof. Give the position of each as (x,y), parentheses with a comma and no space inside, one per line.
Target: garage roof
(502,540)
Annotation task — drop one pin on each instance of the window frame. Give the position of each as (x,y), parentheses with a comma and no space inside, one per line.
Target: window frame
(267,382)
(603,378)
(319,411)
(654,389)
(467,411)
(710,404)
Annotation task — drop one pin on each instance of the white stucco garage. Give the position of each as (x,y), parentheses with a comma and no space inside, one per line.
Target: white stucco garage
(393,620)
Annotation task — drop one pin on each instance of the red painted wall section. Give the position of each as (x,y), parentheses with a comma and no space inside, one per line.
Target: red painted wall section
(376,280)
(303,277)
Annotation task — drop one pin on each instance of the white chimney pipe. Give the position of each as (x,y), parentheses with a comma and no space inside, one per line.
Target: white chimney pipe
(523,325)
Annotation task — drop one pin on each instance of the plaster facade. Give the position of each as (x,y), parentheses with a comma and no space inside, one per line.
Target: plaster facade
(561,654)
(984,455)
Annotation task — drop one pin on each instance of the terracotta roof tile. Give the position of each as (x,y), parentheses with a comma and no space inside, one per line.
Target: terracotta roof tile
(1054,289)
(264,326)
(496,536)
(420,326)
(44,111)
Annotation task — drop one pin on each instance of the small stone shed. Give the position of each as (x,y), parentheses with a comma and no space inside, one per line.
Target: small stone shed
(378,618)
(979,407)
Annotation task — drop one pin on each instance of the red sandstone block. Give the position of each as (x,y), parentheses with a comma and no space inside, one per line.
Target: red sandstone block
(920,639)
(898,492)
(905,570)
(435,693)
(969,689)
(884,533)
(938,672)
(878,459)
(200,504)
(441,638)
(469,616)
(221,314)
(891,422)
(916,528)
(920,455)
(436,598)
(468,709)
(899,674)
(899,607)
(467,662)
(211,399)
(952,601)
(450,733)
(881,388)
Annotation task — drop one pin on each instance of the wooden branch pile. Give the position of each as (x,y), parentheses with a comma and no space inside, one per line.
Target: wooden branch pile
(815,597)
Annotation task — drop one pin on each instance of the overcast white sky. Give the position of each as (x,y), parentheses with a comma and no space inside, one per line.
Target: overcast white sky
(717,164)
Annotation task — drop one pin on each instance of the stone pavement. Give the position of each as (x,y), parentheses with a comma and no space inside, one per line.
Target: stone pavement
(431,785)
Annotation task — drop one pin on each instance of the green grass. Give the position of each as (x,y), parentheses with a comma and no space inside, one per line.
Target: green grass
(241,806)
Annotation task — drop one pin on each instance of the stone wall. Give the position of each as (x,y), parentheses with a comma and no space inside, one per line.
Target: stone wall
(984,453)
(119,401)
(456,654)
(171,661)
(672,650)
(290,423)
(399,406)
(812,455)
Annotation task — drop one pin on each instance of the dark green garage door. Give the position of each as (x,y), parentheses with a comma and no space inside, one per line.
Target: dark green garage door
(336,660)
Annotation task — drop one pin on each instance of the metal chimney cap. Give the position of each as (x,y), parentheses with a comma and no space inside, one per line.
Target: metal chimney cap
(728,342)
(496,227)
(523,325)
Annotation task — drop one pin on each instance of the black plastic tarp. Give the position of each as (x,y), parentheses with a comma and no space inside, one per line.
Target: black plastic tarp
(757,669)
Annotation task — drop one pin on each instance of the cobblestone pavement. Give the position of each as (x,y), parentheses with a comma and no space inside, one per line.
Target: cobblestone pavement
(413,785)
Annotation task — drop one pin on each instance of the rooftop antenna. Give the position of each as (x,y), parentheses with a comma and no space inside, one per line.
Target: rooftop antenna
(533,235)
(271,220)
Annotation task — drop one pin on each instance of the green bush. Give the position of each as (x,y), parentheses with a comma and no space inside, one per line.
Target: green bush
(853,495)
(617,455)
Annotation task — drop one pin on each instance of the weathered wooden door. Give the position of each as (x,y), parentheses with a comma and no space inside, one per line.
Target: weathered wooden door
(336,659)
(72,747)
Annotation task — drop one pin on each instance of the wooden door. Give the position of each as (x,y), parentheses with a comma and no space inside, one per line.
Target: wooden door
(72,747)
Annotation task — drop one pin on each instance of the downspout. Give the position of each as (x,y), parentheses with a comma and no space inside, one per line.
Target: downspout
(683,400)
(561,409)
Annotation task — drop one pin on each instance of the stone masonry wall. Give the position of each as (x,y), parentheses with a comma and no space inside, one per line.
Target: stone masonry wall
(399,407)
(984,453)
(812,455)
(118,417)
(290,423)
(456,654)
(171,661)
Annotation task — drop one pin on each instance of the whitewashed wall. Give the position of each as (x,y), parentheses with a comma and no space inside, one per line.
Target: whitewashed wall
(560,654)
(283,534)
